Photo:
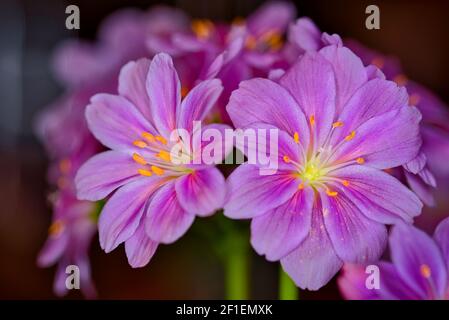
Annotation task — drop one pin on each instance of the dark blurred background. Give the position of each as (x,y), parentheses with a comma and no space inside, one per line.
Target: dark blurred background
(415,31)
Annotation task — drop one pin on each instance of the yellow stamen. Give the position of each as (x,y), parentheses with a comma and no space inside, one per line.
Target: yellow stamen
(202,28)
(345,183)
(414,99)
(312,120)
(161,139)
(301,186)
(140,144)
(56,228)
(157,170)
(378,62)
(350,136)
(425,271)
(360,160)
(401,80)
(139,159)
(65,165)
(337,124)
(296,137)
(164,155)
(331,193)
(286,159)
(148,136)
(144,172)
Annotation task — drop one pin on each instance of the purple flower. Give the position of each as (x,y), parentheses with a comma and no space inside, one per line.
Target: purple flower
(418,271)
(156,199)
(330,199)
(305,36)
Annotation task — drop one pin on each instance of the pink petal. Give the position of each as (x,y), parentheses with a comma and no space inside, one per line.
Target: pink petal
(374,98)
(250,194)
(264,101)
(411,251)
(311,82)
(198,103)
(354,237)
(115,122)
(131,85)
(201,192)
(380,196)
(122,213)
(164,91)
(349,71)
(103,173)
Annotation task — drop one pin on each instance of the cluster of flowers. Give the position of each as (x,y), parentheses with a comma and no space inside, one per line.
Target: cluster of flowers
(360,146)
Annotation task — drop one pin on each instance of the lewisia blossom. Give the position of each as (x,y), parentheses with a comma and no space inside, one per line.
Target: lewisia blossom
(418,271)
(330,199)
(157,198)
(305,36)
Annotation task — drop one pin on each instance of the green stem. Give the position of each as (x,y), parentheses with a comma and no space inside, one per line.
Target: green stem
(287,288)
(237,269)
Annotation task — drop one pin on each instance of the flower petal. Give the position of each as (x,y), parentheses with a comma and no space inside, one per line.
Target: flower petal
(283,153)
(103,173)
(422,189)
(311,82)
(392,287)
(278,232)
(314,262)
(419,261)
(355,238)
(166,221)
(385,141)
(53,249)
(198,103)
(201,192)
(115,122)
(131,85)
(164,91)
(378,195)
(349,70)
(140,248)
(351,283)
(441,236)
(122,213)
(262,100)
(250,194)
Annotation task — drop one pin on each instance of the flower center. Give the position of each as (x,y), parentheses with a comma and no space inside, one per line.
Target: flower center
(312,172)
